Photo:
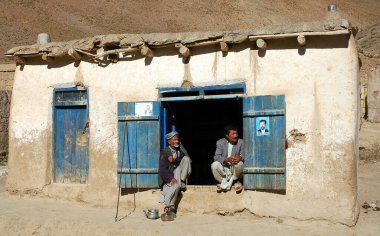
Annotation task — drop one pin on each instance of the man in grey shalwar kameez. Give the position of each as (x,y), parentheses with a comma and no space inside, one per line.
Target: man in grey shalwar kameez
(174,169)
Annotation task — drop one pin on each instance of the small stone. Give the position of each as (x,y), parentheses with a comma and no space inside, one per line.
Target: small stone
(222,213)
(372,205)
(366,205)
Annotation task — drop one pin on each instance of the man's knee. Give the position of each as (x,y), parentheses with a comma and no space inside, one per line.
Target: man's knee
(177,186)
(239,170)
(240,165)
(174,188)
(186,159)
(216,165)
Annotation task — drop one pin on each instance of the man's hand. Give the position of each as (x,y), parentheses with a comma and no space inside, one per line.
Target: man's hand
(171,159)
(228,160)
(173,182)
(234,160)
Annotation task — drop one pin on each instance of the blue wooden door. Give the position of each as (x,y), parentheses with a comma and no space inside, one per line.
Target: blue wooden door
(264,142)
(71,136)
(139,144)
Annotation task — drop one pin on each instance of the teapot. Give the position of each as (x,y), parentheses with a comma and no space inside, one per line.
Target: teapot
(152,214)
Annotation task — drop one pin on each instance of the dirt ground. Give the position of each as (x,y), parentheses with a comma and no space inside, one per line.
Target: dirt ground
(30,215)
(27,215)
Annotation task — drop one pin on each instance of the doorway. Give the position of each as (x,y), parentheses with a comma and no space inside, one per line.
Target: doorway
(71,132)
(200,124)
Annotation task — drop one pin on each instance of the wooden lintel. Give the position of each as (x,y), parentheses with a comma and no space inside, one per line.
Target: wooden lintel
(147,52)
(74,54)
(261,44)
(184,51)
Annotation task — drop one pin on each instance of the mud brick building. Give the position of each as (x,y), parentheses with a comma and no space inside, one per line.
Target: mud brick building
(79,124)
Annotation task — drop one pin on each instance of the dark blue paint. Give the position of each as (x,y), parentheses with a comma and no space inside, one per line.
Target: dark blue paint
(139,146)
(214,87)
(266,153)
(202,97)
(71,135)
(164,127)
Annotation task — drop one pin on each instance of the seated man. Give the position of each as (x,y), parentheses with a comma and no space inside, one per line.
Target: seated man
(228,158)
(174,169)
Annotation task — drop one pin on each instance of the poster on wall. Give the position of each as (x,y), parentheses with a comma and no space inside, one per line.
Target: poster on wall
(262,126)
(144,109)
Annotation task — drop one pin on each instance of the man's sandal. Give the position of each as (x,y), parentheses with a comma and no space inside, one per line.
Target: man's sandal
(238,187)
(218,188)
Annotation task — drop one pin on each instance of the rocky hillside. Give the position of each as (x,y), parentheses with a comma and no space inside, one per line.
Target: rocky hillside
(22,20)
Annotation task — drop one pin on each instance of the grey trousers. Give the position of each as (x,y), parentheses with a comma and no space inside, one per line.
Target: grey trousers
(219,170)
(170,192)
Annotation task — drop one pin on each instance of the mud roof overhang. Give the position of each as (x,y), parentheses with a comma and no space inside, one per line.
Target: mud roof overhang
(125,42)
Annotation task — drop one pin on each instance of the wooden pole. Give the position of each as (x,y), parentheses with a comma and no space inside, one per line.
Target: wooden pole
(184,51)
(224,47)
(260,43)
(301,39)
(74,54)
(147,52)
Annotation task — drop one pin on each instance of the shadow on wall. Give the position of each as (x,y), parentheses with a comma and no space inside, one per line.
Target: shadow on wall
(5,101)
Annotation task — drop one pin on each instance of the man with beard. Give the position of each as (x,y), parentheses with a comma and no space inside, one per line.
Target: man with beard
(263,128)
(174,169)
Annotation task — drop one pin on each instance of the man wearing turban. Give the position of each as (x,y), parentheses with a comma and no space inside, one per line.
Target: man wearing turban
(174,169)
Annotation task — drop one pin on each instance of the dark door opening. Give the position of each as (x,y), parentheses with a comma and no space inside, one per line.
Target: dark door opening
(200,124)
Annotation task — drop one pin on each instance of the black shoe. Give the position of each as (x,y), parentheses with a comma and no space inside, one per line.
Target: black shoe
(183,187)
(172,211)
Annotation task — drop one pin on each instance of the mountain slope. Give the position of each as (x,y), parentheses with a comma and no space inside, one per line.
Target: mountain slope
(22,20)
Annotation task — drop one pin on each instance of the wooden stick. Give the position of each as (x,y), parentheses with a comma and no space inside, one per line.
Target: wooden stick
(74,54)
(198,44)
(147,52)
(184,51)
(279,36)
(116,51)
(86,53)
(260,43)
(224,47)
(301,40)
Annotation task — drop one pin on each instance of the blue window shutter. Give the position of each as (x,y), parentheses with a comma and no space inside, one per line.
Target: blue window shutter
(264,167)
(138,146)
